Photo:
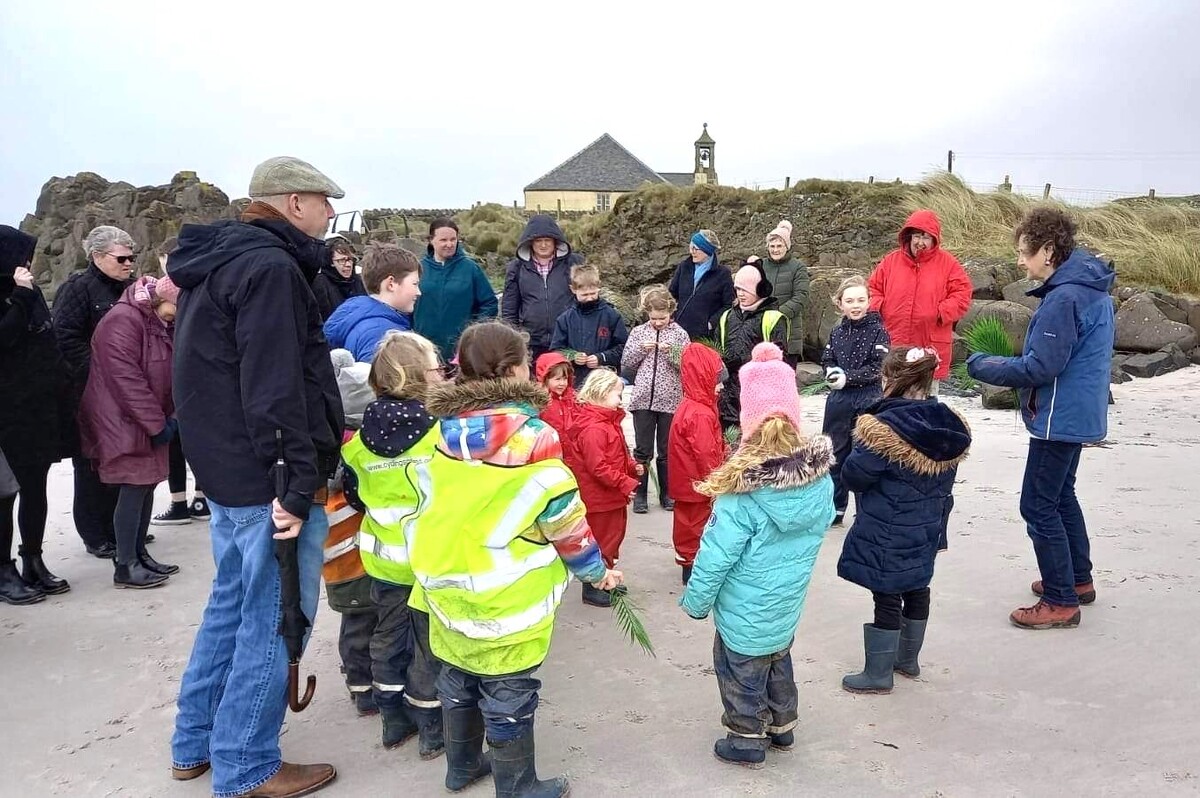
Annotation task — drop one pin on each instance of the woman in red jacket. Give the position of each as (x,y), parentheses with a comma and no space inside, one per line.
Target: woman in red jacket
(125,419)
(921,290)
(606,472)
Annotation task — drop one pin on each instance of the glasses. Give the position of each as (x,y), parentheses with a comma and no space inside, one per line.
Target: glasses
(121,259)
(344,261)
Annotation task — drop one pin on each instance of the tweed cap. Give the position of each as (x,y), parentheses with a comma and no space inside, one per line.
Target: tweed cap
(287,175)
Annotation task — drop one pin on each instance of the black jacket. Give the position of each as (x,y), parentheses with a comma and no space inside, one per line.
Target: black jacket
(332,289)
(858,348)
(598,330)
(250,359)
(78,307)
(743,331)
(700,304)
(529,302)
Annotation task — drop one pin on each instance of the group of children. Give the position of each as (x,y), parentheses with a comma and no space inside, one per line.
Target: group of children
(484,495)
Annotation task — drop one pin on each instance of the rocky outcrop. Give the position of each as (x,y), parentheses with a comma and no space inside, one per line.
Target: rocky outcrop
(1018,292)
(989,276)
(1171,358)
(69,207)
(1142,326)
(1014,317)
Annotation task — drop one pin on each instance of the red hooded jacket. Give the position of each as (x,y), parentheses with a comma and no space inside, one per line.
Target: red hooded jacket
(605,470)
(920,299)
(695,446)
(562,408)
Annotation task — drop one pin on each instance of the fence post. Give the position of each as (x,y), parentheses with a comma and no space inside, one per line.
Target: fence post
(871,180)
(559,214)
(1046,192)
(1006,185)
(787,183)
(514,205)
(950,161)
(1151,193)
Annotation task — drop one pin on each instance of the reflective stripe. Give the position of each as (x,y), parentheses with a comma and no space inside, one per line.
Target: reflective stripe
(532,493)
(389,516)
(787,727)
(339,515)
(506,572)
(419,704)
(494,628)
(341,547)
(389,688)
(356,688)
(385,551)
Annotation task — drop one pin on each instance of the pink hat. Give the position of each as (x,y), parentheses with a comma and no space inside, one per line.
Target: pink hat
(166,290)
(768,389)
(783,231)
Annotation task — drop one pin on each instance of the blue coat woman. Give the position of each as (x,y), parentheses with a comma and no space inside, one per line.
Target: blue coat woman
(454,290)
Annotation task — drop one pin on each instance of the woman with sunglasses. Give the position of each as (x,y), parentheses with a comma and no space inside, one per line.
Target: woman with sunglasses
(80,304)
(337,282)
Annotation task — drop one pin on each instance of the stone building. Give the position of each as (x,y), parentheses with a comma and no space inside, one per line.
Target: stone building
(593,178)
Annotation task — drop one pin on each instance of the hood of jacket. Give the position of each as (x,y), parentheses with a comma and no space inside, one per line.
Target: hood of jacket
(542,367)
(16,249)
(478,418)
(353,312)
(807,464)
(925,221)
(922,435)
(1081,268)
(588,414)
(428,261)
(542,226)
(390,427)
(138,296)
(699,371)
(204,248)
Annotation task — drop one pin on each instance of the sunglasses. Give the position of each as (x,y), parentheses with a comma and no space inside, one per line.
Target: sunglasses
(121,259)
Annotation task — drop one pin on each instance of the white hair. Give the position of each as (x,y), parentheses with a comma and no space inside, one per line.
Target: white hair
(102,239)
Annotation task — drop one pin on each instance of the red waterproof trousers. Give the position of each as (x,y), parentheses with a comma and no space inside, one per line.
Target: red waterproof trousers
(608,527)
(690,518)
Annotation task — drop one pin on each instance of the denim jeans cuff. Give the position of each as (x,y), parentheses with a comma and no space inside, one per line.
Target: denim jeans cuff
(175,763)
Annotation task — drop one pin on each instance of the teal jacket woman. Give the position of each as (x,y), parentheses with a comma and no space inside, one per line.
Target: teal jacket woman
(759,548)
(454,293)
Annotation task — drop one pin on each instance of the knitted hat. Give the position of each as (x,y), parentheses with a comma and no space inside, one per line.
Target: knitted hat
(768,389)
(166,290)
(783,231)
(753,279)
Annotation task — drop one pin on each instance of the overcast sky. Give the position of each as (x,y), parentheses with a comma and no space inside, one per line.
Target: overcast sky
(442,105)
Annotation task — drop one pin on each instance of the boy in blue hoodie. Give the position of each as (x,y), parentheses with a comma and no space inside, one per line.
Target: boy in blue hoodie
(592,331)
(392,278)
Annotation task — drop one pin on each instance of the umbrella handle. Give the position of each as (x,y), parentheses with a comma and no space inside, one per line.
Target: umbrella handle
(295,701)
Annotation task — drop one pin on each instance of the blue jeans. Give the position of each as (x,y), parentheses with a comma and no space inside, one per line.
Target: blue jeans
(1054,519)
(507,702)
(758,693)
(233,696)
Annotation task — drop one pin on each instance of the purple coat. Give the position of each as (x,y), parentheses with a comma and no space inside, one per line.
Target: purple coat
(128,394)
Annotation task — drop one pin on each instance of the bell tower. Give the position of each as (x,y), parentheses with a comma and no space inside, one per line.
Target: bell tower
(705,170)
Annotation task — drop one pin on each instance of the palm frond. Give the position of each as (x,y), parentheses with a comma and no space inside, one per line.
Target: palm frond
(626,613)
(732,436)
(814,389)
(987,335)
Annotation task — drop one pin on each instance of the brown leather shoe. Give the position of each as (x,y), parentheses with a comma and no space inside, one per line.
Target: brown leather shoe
(187,774)
(1086,593)
(293,781)
(1044,615)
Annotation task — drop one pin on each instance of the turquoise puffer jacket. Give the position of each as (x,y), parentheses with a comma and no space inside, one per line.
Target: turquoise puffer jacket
(759,548)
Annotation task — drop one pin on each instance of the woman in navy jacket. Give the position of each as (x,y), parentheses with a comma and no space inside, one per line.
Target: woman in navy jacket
(702,286)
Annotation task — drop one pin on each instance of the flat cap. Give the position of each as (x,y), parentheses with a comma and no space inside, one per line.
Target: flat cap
(287,175)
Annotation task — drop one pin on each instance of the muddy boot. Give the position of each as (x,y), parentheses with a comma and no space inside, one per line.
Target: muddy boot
(36,574)
(1086,591)
(465,761)
(640,505)
(14,590)
(595,596)
(429,731)
(876,677)
(783,742)
(364,702)
(741,751)
(912,635)
(515,773)
(398,725)
(1045,615)
(664,500)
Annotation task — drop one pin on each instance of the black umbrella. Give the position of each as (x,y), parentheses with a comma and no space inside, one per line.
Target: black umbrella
(293,623)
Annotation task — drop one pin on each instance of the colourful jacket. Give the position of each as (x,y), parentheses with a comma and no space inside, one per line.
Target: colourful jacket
(695,446)
(657,385)
(453,294)
(359,324)
(757,553)
(560,411)
(600,459)
(1063,374)
(920,300)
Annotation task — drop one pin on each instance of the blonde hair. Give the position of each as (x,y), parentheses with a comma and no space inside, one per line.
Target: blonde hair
(597,385)
(401,366)
(776,437)
(854,281)
(585,275)
(655,299)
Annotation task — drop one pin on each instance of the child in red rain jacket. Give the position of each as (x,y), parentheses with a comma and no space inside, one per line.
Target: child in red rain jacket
(607,473)
(557,376)
(695,448)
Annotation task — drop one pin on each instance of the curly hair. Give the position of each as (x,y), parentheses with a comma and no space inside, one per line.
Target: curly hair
(1045,224)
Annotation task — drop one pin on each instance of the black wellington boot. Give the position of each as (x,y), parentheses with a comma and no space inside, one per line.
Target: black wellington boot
(640,505)
(880,646)
(912,636)
(398,725)
(515,772)
(430,735)
(14,590)
(664,499)
(465,761)
(35,573)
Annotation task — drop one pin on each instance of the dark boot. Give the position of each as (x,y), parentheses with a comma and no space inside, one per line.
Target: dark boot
(640,505)
(136,577)
(429,731)
(515,772)
(687,574)
(398,725)
(666,501)
(105,551)
(364,702)
(13,589)
(595,596)
(748,756)
(151,564)
(465,761)
(880,646)
(36,574)
(912,635)
(783,742)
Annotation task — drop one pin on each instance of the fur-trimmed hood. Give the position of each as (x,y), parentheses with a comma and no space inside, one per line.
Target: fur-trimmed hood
(924,436)
(493,421)
(456,398)
(746,473)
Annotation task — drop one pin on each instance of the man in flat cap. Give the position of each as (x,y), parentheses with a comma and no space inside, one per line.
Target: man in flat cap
(253,379)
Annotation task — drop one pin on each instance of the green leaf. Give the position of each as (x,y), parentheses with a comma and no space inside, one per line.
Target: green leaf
(629,621)
(987,335)
(815,389)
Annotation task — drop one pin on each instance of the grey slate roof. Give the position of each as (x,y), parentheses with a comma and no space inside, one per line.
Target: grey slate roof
(679,178)
(603,165)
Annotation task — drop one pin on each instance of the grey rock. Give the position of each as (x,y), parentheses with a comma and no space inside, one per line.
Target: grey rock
(1014,317)
(1152,364)
(809,374)
(1172,307)
(1143,327)
(1015,292)
(1117,375)
(996,398)
(990,275)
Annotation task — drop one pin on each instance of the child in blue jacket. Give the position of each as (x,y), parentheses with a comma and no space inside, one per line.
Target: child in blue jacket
(906,454)
(773,504)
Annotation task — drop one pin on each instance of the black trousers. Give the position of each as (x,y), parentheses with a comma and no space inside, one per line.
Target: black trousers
(177,475)
(31,515)
(842,409)
(651,430)
(94,505)
(913,604)
(131,519)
